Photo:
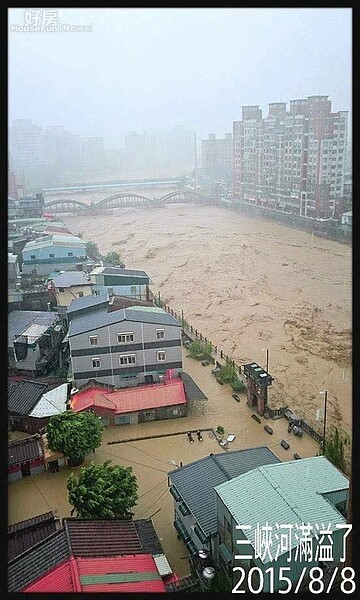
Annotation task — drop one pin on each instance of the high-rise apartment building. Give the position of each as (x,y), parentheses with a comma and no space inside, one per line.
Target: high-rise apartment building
(26,145)
(293,159)
(217,156)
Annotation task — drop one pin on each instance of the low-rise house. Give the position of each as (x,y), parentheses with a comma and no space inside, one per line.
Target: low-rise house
(121,282)
(124,347)
(26,534)
(31,403)
(346,222)
(68,286)
(54,252)
(133,405)
(25,457)
(13,270)
(193,489)
(279,499)
(34,339)
(87,555)
(87,305)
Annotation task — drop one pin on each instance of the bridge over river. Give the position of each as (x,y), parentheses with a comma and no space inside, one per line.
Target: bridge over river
(126,199)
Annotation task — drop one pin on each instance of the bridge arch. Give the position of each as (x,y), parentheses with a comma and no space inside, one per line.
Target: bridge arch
(65,205)
(183,196)
(124,199)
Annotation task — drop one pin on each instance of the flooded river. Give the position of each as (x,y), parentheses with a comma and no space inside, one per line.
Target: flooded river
(248,285)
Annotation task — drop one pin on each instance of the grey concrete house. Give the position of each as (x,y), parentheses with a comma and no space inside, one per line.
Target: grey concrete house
(125,347)
(193,489)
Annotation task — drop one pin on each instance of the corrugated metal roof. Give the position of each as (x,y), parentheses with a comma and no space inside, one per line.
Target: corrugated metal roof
(108,537)
(118,271)
(24,395)
(196,481)
(162,565)
(55,240)
(23,450)
(58,580)
(70,278)
(132,399)
(131,573)
(20,320)
(25,534)
(86,302)
(149,539)
(51,403)
(37,561)
(291,493)
(93,321)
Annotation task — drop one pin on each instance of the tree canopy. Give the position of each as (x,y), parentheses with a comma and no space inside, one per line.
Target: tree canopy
(103,491)
(113,258)
(92,250)
(74,434)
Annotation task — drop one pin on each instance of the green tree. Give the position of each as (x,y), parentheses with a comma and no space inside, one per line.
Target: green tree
(92,250)
(74,434)
(103,491)
(113,258)
(200,350)
(336,440)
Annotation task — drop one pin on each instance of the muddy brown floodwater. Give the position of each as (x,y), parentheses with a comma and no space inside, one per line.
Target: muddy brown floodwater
(246,284)
(152,459)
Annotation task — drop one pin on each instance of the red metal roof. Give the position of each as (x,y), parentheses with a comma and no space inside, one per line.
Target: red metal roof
(105,574)
(58,580)
(131,573)
(156,395)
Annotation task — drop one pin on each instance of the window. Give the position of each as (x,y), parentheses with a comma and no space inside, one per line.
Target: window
(93,340)
(160,334)
(161,355)
(61,289)
(125,338)
(96,363)
(133,290)
(127,359)
(52,255)
(81,294)
(70,254)
(33,256)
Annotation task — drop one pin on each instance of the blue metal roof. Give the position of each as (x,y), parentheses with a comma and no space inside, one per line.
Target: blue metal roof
(196,481)
(86,302)
(96,320)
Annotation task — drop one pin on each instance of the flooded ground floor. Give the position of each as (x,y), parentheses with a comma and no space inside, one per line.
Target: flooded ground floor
(152,459)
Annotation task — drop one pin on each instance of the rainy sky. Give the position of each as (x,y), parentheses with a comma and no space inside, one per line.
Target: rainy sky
(144,69)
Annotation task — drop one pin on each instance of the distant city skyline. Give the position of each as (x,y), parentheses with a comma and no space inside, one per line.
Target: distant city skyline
(151,69)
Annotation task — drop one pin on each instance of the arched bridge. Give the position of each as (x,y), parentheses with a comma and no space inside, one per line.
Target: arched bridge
(125,199)
(66,205)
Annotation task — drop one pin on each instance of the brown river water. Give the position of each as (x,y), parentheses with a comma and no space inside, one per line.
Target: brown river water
(246,284)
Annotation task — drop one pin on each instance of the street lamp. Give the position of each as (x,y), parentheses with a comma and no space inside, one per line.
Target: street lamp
(267,358)
(325,404)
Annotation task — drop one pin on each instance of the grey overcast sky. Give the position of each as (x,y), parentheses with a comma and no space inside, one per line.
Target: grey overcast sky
(142,69)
